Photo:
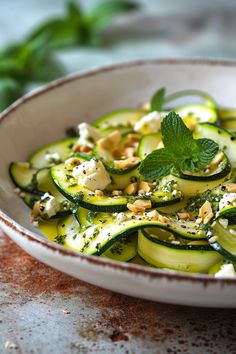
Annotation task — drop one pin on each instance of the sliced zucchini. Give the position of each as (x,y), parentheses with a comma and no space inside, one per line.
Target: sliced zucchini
(105,231)
(148,143)
(121,119)
(62,148)
(193,184)
(206,100)
(228,213)
(22,175)
(225,140)
(193,114)
(175,255)
(223,240)
(123,250)
(229,124)
(29,198)
(68,186)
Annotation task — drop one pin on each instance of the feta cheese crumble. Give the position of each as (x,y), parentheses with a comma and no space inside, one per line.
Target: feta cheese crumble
(228,199)
(88,135)
(227,270)
(150,123)
(53,157)
(92,175)
(51,206)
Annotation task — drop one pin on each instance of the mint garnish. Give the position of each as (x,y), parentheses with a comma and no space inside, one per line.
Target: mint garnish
(181,151)
(158,100)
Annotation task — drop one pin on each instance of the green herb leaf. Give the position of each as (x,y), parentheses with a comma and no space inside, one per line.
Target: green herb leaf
(157,164)
(10,90)
(158,100)
(206,153)
(181,151)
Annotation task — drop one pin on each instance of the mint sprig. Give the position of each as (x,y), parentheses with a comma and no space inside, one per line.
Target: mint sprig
(181,151)
(158,100)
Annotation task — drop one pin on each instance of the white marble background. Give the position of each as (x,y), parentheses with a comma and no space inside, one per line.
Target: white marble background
(163,28)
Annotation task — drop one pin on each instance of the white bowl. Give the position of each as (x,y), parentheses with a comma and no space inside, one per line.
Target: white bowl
(42,116)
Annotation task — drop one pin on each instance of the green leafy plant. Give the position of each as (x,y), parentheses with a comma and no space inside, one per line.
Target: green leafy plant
(181,151)
(33,60)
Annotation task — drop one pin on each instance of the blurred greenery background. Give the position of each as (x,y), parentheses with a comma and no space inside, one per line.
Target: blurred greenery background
(42,40)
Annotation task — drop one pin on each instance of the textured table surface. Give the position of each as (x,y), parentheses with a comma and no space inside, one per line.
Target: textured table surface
(45,311)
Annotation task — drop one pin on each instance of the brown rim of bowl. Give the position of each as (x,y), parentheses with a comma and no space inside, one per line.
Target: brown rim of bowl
(133,268)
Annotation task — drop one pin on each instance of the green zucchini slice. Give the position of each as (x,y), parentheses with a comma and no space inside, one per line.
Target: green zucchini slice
(69,187)
(175,255)
(105,229)
(123,250)
(62,148)
(192,184)
(120,119)
(206,100)
(228,213)
(225,140)
(148,143)
(193,113)
(22,175)
(223,240)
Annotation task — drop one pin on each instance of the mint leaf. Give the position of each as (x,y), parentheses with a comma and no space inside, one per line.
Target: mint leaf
(181,151)
(157,164)
(158,100)
(207,149)
(177,138)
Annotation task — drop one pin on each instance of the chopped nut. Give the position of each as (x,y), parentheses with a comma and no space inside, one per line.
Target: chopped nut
(140,205)
(85,149)
(205,212)
(217,159)
(154,215)
(116,193)
(109,142)
(76,147)
(36,210)
(144,186)
(231,187)
(127,163)
(134,208)
(98,192)
(131,189)
(74,161)
(130,152)
(145,107)
(184,216)
(147,204)
(134,138)
(118,153)
(163,219)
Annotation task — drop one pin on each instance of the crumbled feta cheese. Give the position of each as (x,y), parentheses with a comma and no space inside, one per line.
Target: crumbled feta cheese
(88,135)
(227,270)
(53,158)
(92,174)
(150,123)
(120,217)
(51,206)
(227,200)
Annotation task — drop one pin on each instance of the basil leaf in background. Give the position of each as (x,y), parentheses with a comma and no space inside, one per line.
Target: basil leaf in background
(10,90)
(33,60)
(104,12)
(158,100)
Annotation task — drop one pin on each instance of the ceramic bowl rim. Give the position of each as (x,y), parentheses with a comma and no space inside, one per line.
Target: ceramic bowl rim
(98,261)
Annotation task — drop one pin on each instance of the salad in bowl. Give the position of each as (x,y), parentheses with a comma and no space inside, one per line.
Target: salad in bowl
(154,185)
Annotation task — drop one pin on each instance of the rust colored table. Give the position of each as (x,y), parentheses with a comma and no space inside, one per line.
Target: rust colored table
(45,311)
